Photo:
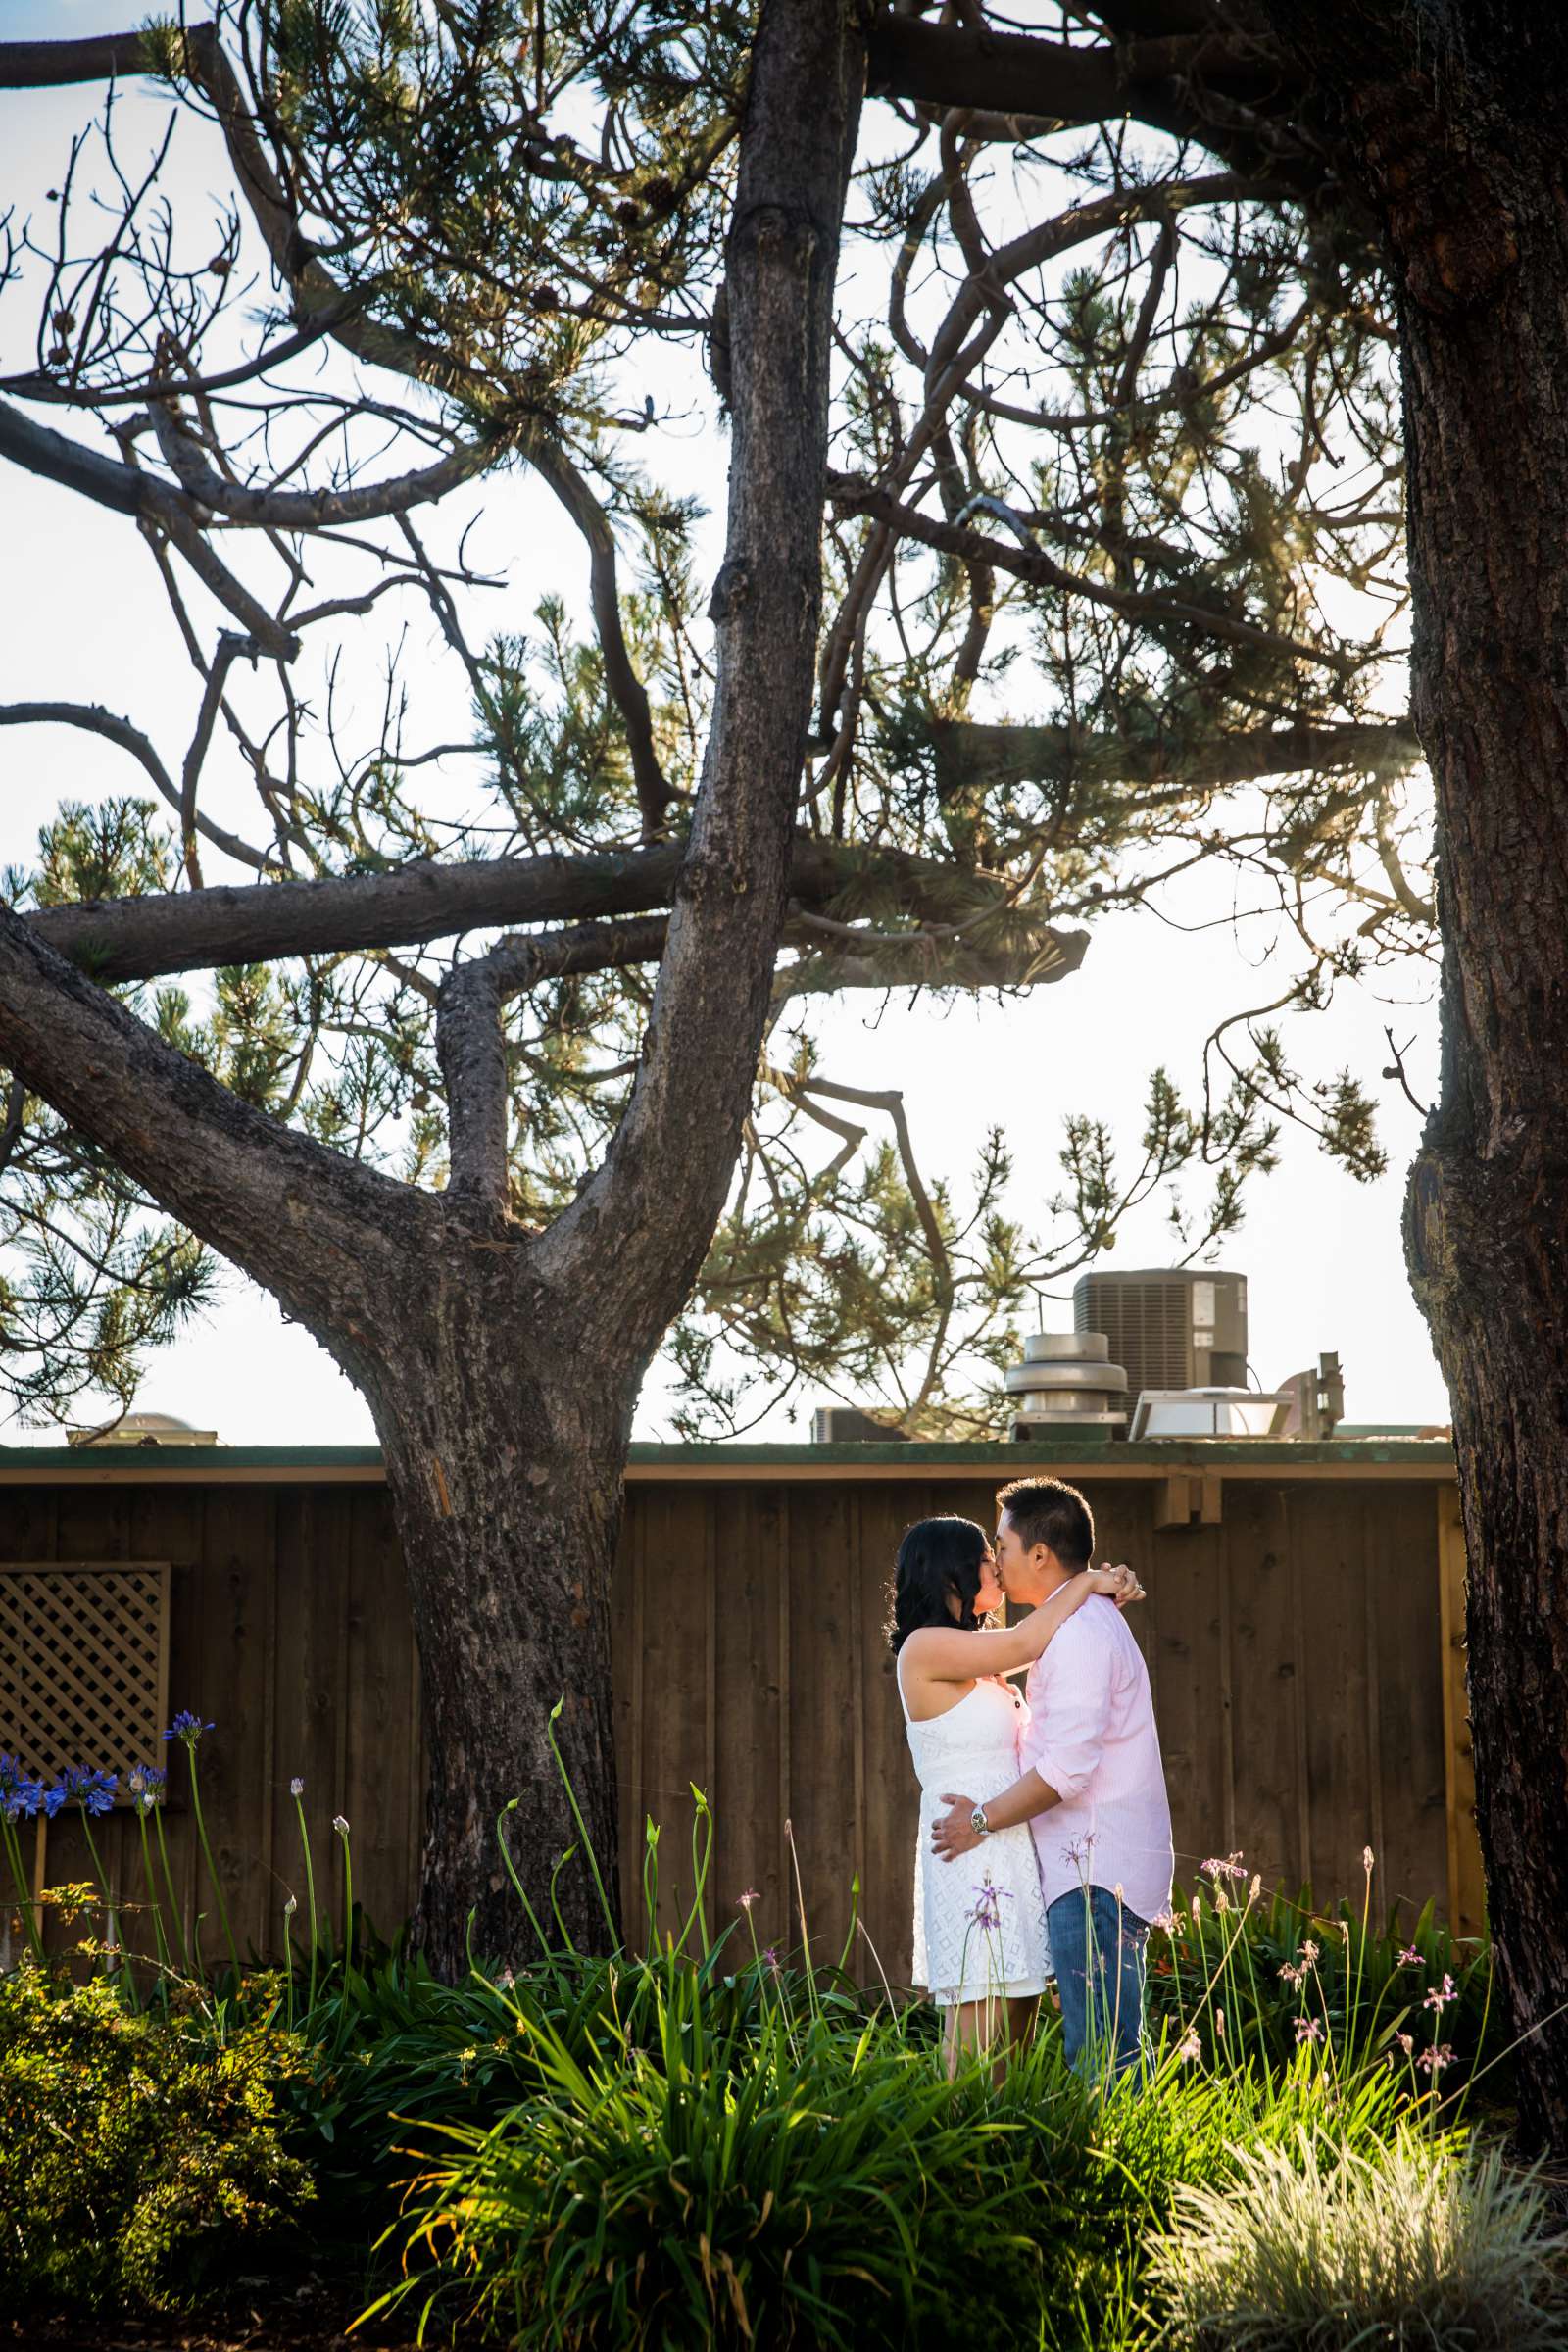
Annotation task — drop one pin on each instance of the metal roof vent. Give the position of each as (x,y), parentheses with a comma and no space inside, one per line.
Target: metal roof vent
(146,1429)
(1067,1382)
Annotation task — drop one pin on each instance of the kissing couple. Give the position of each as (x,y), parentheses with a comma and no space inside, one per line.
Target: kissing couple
(1045,1844)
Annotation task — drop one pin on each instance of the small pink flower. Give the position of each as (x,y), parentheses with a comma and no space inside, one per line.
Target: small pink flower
(1308,2028)
(1309,1952)
(1409,1957)
(1434,2061)
(1189,2049)
(744,1903)
(1443,1995)
(987,1913)
(1406,2042)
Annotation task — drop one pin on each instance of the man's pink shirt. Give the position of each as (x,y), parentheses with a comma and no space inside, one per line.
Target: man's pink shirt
(1091,1737)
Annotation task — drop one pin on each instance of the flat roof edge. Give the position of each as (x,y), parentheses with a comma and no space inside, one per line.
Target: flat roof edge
(106,1465)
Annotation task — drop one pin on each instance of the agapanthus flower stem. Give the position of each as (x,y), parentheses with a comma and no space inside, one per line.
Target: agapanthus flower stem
(582,1827)
(153,1903)
(212,1866)
(348,1903)
(176,1908)
(25,1897)
(310,1897)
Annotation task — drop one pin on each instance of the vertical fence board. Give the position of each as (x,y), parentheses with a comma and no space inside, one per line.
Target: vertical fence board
(750,1682)
(312,1531)
(1340,1760)
(1264,1672)
(892,1799)
(626,1683)
(824,1693)
(1467,1890)
(382,1752)
(1184,1563)
(229,1674)
(1412,1746)
(675,1739)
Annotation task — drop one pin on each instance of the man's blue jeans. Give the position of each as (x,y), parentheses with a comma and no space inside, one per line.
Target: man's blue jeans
(1098,1946)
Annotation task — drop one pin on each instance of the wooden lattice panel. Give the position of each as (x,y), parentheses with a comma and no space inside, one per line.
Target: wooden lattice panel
(84,1663)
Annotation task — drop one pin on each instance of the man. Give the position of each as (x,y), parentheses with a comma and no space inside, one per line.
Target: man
(1093,1788)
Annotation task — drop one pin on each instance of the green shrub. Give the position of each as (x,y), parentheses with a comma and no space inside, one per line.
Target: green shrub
(728,2171)
(140,2158)
(1323,2247)
(712,2159)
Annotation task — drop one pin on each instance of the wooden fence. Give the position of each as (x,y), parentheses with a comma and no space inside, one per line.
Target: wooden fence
(1301,1632)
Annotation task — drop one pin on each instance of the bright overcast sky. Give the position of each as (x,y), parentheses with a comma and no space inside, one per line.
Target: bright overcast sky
(81,619)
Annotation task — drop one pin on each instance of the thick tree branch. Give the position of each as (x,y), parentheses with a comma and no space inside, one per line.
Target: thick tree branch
(308,1223)
(471,1050)
(1223,89)
(1031,957)
(153,938)
(55,64)
(971,754)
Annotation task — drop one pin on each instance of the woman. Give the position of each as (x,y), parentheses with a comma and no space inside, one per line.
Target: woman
(979,1925)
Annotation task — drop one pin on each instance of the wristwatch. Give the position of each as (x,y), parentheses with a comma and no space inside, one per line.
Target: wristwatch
(978,1822)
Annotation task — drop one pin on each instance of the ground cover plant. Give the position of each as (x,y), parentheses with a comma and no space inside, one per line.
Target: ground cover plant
(695,2142)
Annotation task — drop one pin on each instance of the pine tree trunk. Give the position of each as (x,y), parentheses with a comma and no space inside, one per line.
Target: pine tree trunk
(503,1451)
(1483,252)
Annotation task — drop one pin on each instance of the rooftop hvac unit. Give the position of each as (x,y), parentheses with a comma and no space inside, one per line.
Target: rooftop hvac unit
(1173,1329)
(847,1424)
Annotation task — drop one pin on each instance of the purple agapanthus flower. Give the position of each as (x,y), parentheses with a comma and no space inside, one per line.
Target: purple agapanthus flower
(146,1784)
(188,1727)
(80,1784)
(21,1795)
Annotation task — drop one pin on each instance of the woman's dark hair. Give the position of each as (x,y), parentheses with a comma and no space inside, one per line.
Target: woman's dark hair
(937,1557)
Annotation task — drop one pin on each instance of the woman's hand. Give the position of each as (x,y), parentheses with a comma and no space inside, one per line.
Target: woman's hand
(1120,1584)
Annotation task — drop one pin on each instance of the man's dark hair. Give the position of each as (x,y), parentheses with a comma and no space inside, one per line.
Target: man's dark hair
(1047,1511)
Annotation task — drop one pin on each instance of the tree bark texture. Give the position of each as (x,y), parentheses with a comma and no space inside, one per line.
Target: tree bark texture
(1456,137)
(502,1366)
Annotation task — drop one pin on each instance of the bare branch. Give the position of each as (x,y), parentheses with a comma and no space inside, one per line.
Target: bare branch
(93,719)
(552,464)
(129,491)
(852,496)
(314,509)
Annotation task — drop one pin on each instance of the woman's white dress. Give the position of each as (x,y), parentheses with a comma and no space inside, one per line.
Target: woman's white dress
(979,1922)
